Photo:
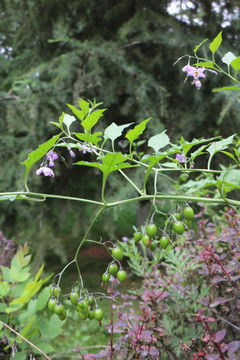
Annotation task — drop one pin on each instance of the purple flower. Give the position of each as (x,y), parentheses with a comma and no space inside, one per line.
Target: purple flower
(46,171)
(84,148)
(180,158)
(193,71)
(51,156)
(72,153)
(125,238)
(197,83)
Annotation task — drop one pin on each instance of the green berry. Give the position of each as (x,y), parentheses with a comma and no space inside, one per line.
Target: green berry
(121,275)
(51,303)
(178,227)
(98,314)
(73,297)
(58,309)
(151,230)
(117,253)
(137,236)
(90,314)
(153,246)
(188,213)
(83,316)
(105,277)
(164,242)
(146,240)
(113,269)
(63,315)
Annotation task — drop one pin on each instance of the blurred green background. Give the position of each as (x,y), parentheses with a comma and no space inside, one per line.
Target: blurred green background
(121,53)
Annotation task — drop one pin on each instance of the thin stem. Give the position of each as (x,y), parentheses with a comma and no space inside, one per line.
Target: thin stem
(130,181)
(98,243)
(88,230)
(60,274)
(126,201)
(22,337)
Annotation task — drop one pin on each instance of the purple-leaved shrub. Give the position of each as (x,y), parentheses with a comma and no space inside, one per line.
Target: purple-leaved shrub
(7,250)
(188,306)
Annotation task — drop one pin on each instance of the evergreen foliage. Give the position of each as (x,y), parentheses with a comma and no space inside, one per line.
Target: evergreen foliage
(53,52)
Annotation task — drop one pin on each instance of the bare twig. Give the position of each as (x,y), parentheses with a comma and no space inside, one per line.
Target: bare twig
(22,337)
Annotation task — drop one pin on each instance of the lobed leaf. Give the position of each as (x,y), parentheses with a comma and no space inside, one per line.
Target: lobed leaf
(84,105)
(111,162)
(137,131)
(207,64)
(219,146)
(37,154)
(68,120)
(228,58)
(216,43)
(79,114)
(92,119)
(159,141)
(236,63)
(114,131)
(90,138)
(198,46)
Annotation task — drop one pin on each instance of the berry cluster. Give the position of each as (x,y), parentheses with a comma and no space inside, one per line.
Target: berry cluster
(178,222)
(84,302)
(115,267)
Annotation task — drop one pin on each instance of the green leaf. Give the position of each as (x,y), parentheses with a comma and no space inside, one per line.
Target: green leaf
(44,346)
(42,299)
(56,124)
(61,119)
(137,131)
(226,88)
(236,64)
(37,276)
(154,160)
(79,114)
(198,46)
(31,309)
(90,138)
(4,290)
(111,162)
(219,146)
(114,131)
(194,186)
(19,275)
(92,119)
(159,141)
(84,106)
(50,328)
(216,43)
(2,307)
(68,120)
(186,145)
(28,327)
(228,58)
(20,355)
(230,155)
(229,180)
(198,152)
(6,274)
(37,154)
(207,64)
